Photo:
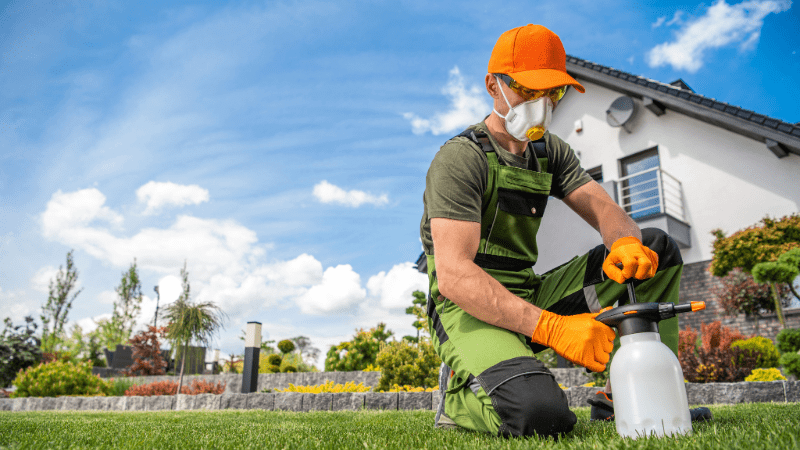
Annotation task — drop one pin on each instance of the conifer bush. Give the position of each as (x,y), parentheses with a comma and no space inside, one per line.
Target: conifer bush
(60,378)
(788,340)
(791,363)
(769,354)
(403,363)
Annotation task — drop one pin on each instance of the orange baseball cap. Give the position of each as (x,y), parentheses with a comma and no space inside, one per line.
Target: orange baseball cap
(533,56)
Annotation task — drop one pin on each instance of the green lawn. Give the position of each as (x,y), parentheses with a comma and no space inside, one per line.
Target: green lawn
(746,426)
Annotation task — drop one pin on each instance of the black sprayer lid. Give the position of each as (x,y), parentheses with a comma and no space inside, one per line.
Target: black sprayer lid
(643,317)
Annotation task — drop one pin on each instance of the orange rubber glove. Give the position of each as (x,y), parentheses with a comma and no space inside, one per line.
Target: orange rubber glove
(578,338)
(636,259)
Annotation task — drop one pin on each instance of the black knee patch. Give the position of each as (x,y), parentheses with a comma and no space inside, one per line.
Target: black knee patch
(669,254)
(527,398)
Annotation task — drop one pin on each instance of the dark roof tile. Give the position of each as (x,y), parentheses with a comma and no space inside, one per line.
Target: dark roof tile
(772,123)
(796,132)
(744,114)
(705,101)
(718,106)
(757,118)
(785,127)
(731,109)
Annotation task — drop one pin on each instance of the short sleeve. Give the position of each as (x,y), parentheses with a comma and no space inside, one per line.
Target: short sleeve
(456,181)
(568,174)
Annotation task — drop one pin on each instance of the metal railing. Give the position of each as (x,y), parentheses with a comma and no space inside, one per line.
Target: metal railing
(649,192)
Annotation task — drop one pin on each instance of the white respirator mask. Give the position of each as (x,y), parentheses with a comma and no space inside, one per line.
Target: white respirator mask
(529,120)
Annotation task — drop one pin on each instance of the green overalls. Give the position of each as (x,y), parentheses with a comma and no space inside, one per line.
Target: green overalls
(498,385)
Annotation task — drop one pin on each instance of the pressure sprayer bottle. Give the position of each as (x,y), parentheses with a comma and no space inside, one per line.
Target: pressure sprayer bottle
(646,377)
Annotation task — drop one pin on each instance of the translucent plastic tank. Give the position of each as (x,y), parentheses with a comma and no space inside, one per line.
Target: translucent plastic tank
(649,394)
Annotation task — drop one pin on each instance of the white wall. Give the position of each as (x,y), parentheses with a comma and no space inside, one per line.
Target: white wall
(729,181)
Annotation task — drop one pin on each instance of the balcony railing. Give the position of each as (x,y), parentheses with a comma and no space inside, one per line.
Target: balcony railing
(650,192)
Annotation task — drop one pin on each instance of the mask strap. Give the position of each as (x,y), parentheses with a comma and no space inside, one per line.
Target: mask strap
(510,109)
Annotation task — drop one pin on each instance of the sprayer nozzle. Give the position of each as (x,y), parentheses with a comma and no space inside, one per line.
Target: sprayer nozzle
(698,306)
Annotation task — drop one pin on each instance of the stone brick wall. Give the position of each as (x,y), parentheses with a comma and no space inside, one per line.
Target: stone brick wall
(697,284)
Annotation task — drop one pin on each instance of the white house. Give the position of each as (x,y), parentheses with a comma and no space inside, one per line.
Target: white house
(675,160)
(678,161)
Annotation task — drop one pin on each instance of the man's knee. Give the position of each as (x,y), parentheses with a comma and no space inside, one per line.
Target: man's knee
(532,404)
(660,242)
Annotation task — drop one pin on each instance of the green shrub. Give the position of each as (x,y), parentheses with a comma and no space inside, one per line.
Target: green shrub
(286,346)
(772,374)
(768,353)
(274,368)
(60,378)
(120,385)
(274,359)
(289,369)
(791,363)
(403,363)
(789,340)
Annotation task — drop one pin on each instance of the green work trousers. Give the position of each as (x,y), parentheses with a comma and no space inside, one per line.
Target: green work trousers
(498,385)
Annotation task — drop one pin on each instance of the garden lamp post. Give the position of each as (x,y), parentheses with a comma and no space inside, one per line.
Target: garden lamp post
(252,348)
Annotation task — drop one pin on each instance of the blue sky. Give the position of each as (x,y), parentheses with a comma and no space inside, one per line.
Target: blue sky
(280,147)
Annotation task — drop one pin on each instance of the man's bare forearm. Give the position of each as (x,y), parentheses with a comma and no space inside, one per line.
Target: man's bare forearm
(484,298)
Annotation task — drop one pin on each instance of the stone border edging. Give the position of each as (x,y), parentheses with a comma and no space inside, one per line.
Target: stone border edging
(698,393)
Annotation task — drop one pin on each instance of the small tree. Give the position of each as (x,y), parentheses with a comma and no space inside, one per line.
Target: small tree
(755,244)
(286,346)
(19,348)
(741,294)
(305,349)
(775,273)
(59,301)
(417,309)
(127,306)
(198,322)
(147,359)
(358,353)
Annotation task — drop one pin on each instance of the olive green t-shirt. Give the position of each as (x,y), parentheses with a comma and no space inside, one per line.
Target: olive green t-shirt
(458,177)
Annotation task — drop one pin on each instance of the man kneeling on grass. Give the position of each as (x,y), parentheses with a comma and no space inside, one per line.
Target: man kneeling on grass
(488,312)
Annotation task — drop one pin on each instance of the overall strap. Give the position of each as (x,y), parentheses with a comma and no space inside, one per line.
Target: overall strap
(481,140)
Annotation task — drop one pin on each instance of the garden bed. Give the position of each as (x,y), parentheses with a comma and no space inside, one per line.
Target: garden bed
(698,394)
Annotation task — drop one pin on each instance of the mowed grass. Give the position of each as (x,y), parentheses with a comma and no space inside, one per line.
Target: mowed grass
(746,426)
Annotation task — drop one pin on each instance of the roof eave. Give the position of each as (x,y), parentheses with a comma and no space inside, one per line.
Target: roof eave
(690,108)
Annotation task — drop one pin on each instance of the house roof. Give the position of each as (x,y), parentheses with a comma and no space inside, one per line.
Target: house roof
(780,137)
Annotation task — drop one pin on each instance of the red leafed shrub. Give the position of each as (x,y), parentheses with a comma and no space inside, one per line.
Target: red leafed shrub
(147,359)
(714,360)
(155,388)
(170,387)
(204,387)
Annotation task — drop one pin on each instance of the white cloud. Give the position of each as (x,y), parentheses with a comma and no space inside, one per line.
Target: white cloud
(74,209)
(329,193)
(107,297)
(340,289)
(468,105)
(659,22)
(722,25)
(157,195)
(393,289)
(16,306)
(677,19)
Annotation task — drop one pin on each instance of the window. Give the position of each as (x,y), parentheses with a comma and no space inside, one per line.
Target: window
(640,190)
(596,173)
